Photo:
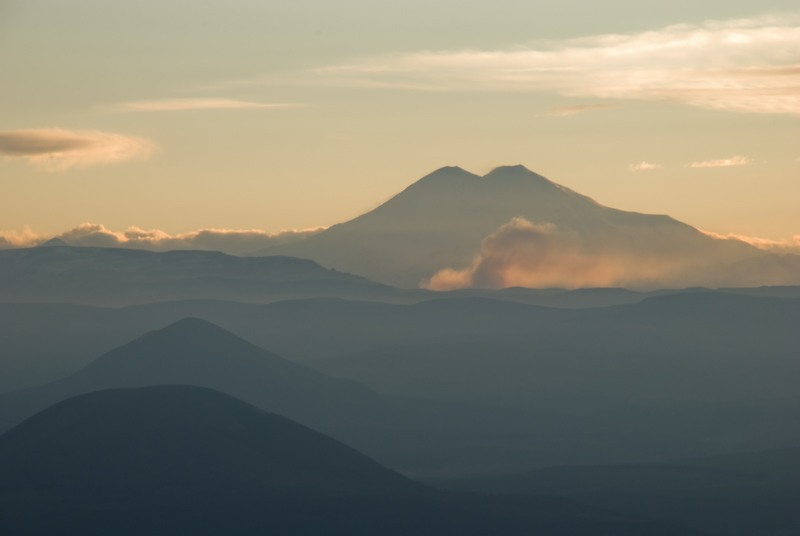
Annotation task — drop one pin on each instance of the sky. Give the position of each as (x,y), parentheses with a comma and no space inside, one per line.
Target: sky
(179,116)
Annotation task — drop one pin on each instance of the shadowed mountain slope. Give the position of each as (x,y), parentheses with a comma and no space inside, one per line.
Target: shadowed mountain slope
(174,439)
(188,460)
(195,352)
(440,221)
(415,436)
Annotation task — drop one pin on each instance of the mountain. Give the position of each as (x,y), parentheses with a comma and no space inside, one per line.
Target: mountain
(440,222)
(188,460)
(744,493)
(413,436)
(44,342)
(178,439)
(111,276)
(53,242)
(458,386)
(196,352)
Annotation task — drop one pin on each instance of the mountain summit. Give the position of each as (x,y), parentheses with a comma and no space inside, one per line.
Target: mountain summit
(442,222)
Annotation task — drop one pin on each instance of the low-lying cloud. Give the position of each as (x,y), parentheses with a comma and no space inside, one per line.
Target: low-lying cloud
(233,242)
(524,254)
(172,105)
(749,65)
(56,149)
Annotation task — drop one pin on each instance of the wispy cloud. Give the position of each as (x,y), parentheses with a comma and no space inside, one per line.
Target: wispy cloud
(56,149)
(750,65)
(560,111)
(723,162)
(643,166)
(234,242)
(791,245)
(172,105)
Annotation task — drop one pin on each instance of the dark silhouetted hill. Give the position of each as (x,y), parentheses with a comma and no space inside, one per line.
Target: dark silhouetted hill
(188,460)
(178,439)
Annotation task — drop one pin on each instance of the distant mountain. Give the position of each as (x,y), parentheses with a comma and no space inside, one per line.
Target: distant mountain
(747,493)
(440,221)
(677,375)
(53,242)
(44,342)
(415,436)
(196,352)
(188,460)
(110,276)
(53,273)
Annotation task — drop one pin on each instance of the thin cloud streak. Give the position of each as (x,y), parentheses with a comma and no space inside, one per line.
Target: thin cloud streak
(56,149)
(561,111)
(643,166)
(724,162)
(791,245)
(172,105)
(233,242)
(750,65)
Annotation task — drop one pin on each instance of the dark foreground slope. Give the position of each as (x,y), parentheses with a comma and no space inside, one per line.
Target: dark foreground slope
(187,460)
(749,493)
(178,439)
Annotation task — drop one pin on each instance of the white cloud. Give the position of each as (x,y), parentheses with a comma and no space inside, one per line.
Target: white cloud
(643,166)
(56,149)
(740,65)
(170,105)
(723,162)
(234,242)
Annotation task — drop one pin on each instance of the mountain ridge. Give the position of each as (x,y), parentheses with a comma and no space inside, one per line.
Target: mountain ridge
(440,222)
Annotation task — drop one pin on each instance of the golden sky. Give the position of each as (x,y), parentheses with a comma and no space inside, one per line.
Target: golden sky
(179,116)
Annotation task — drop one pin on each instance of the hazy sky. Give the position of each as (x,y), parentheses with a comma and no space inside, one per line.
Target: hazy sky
(180,115)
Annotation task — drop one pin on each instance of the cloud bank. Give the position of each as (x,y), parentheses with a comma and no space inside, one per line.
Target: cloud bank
(171,105)
(56,149)
(750,65)
(524,254)
(233,242)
